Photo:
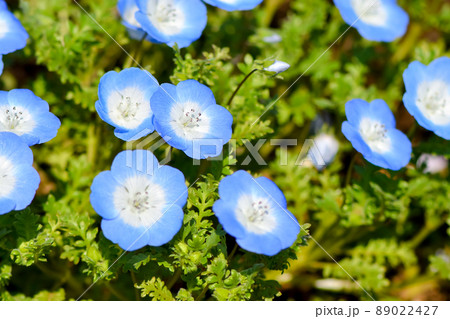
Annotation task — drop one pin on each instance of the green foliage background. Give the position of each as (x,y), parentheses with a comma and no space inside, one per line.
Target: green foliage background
(390,231)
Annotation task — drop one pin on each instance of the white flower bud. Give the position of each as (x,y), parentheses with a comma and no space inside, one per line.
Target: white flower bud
(278,67)
(433,163)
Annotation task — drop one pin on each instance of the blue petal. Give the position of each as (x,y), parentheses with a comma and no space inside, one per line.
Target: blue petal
(173,182)
(267,188)
(1,64)
(102,195)
(127,237)
(27,183)
(237,5)
(355,110)
(6,205)
(167,226)
(287,229)
(192,90)
(232,187)
(221,121)
(400,155)
(266,244)
(352,134)
(142,130)
(132,163)
(379,110)
(225,213)
(16,36)
(14,148)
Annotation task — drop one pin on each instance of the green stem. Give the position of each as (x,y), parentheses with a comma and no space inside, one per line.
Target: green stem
(174,279)
(240,85)
(202,294)
(116,293)
(136,56)
(230,256)
(350,170)
(136,291)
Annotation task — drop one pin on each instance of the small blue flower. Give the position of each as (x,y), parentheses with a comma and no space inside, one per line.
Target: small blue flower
(127,10)
(172,21)
(427,95)
(28,116)
(371,130)
(124,102)
(234,5)
(141,202)
(380,20)
(188,118)
(254,211)
(13,36)
(18,179)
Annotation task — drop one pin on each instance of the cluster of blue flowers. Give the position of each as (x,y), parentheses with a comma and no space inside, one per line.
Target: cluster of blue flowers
(141,202)
(25,120)
(371,126)
(172,22)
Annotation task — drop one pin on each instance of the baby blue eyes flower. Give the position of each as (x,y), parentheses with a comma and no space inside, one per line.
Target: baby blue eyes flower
(28,116)
(254,211)
(124,102)
(371,130)
(13,36)
(1,64)
(233,5)
(127,10)
(141,202)
(427,95)
(188,118)
(375,20)
(18,179)
(172,21)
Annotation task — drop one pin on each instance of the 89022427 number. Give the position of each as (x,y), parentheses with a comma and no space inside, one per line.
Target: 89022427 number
(406,310)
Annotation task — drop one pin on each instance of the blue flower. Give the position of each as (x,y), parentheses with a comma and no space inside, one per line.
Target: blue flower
(127,10)
(233,5)
(254,211)
(371,130)
(28,116)
(141,202)
(427,95)
(13,36)
(18,179)
(172,21)
(380,20)
(1,64)
(188,118)
(124,102)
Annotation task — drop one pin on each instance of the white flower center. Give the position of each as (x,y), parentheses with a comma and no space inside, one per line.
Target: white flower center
(128,108)
(433,100)
(255,214)
(140,202)
(374,134)
(188,121)
(7,177)
(370,12)
(16,119)
(166,16)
